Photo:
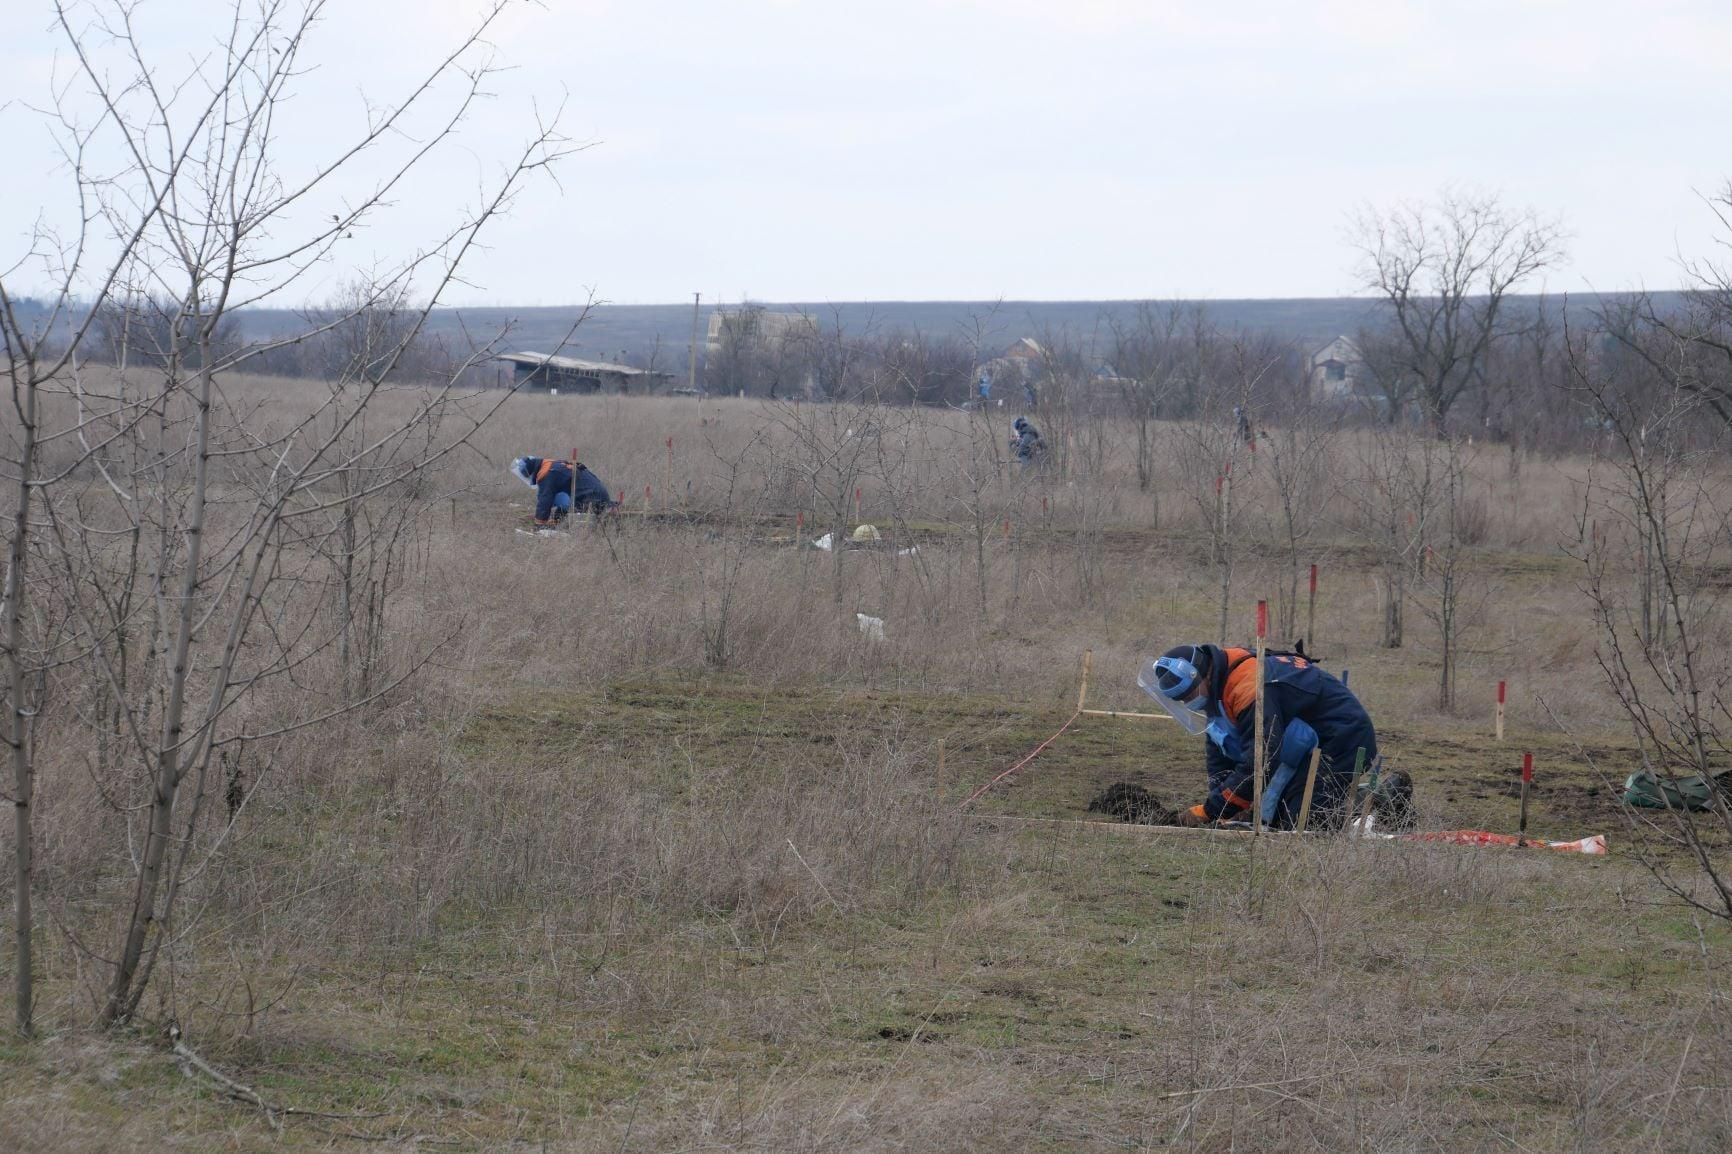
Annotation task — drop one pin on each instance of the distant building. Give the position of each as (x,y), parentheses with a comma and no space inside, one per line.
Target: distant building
(1336,369)
(537,371)
(756,323)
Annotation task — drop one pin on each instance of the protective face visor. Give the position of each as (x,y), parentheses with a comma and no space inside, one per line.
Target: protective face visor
(1169,680)
(520,470)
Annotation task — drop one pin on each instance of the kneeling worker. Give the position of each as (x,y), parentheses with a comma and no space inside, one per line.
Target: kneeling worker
(552,482)
(1213,691)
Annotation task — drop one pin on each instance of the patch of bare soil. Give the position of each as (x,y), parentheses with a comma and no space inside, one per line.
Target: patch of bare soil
(1132,803)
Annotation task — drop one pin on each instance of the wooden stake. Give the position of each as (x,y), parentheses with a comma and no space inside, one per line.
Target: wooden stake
(1311,613)
(1527,781)
(1310,784)
(1083,693)
(1258,754)
(856,505)
(668,475)
(1353,790)
(571,514)
(941,757)
(1499,722)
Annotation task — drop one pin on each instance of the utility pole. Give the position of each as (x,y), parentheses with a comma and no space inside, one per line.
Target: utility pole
(692,353)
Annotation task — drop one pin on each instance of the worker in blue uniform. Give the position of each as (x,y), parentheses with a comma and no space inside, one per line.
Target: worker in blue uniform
(1213,690)
(555,494)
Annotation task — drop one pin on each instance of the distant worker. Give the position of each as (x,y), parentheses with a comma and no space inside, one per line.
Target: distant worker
(1025,443)
(1213,691)
(552,482)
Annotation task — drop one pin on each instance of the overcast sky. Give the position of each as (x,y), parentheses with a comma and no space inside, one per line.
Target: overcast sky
(1026,149)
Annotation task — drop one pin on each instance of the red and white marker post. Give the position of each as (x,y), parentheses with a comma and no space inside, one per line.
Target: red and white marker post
(1498,716)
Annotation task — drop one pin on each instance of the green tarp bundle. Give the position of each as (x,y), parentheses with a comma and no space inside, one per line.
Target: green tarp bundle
(1651,791)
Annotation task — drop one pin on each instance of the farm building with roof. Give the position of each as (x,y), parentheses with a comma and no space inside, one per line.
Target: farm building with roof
(569,374)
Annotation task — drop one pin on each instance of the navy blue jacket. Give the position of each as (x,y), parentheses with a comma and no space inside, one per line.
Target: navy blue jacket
(554,477)
(1294,689)
(1027,445)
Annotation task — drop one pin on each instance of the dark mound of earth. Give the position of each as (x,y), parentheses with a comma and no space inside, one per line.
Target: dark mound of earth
(1127,802)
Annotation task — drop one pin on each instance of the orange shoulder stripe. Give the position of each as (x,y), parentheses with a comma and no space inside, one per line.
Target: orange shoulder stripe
(1241,689)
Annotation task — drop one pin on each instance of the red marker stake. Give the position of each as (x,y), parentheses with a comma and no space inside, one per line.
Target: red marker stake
(1499,722)
(1262,619)
(1527,781)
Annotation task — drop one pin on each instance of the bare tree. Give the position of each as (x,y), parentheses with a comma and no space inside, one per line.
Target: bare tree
(1664,494)
(1212,453)
(1303,475)
(1688,348)
(1393,496)
(1446,582)
(721,560)
(736,363)
(223,513)
(1147,354)
(835,449)
(1445,270)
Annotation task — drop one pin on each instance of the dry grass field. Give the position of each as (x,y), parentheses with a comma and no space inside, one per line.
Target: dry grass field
(658,851)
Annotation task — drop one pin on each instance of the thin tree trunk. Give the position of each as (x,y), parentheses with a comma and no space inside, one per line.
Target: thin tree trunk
(1395,580)
(18,723)
(123,997)
(1225,553)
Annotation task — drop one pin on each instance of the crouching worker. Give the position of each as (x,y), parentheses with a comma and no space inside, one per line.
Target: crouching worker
(1026,444)
(554,491)
(1213,691)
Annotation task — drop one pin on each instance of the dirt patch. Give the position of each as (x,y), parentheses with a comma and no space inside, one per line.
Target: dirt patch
(1126,801)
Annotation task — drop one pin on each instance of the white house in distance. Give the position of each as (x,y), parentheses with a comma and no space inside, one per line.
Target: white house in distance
(1335,370)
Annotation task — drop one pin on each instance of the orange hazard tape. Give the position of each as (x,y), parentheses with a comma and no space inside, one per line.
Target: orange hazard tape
(1588,845)
(1031,756)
